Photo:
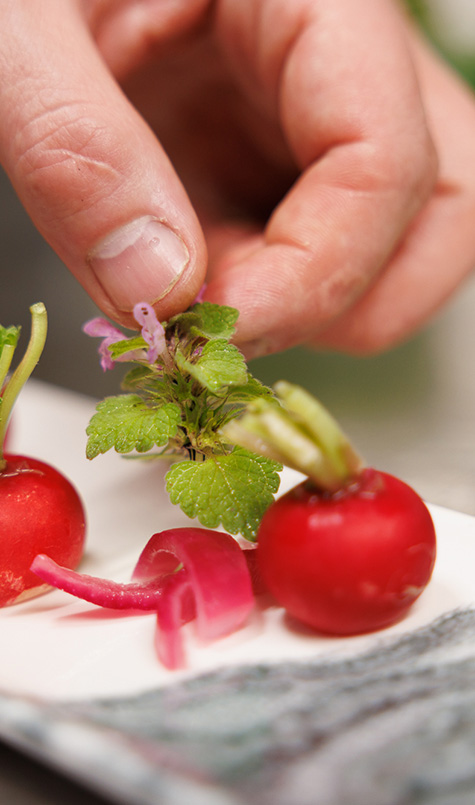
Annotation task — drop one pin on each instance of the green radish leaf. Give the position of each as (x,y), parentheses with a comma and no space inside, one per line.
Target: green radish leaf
(231,490)
(126,423)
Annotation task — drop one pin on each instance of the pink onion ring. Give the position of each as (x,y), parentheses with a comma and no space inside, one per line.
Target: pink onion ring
(183,574)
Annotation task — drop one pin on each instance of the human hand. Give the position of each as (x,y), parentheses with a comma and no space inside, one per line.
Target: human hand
(325,152)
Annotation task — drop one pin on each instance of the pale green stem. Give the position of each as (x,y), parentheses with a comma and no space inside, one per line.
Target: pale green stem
(250,436)
(39,327)
(299,433)
(5,362)
(322,427)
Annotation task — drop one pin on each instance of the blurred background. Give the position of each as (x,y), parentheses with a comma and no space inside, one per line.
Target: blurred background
(410,411)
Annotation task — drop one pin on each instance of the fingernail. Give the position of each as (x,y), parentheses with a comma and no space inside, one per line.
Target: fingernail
(140,262)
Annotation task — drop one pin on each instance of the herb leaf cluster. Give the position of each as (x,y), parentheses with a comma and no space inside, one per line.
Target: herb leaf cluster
(177,404)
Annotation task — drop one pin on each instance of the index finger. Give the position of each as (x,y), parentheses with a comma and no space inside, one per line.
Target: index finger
(89,170)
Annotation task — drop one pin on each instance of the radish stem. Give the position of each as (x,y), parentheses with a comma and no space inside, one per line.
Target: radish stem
(39,327)
(5,361)
(299,433)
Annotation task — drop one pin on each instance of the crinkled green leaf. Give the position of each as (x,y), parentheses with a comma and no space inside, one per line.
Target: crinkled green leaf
(219,364)
(231,490)
(119,348)
(248,392)
(208,320)
(216,321)
(144,381)
(126,423)
(138,377)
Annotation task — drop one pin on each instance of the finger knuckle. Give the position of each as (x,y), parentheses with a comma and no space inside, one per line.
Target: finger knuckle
(412,170)
(59,159)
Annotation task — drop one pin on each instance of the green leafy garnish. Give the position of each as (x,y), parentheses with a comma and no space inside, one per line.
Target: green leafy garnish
(186,384)
(232,490)
(127,423)
(220,364)
(208,320)
(120,348)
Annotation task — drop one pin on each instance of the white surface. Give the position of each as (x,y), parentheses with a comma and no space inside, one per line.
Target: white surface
(61,648)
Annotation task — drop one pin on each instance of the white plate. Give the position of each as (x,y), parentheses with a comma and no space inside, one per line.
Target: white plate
(60,648)
(361,721)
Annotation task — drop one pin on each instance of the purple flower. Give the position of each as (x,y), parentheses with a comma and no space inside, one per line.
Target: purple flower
(152,331)
(201,293)
(101,328)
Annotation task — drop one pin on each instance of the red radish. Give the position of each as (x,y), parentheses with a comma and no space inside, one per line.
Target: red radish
(350,549)
(349,562)
(40,510)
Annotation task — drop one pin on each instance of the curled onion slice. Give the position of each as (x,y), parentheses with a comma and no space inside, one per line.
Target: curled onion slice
(217,573)
(217,580)
(103,592)
(183,574)
(175,608)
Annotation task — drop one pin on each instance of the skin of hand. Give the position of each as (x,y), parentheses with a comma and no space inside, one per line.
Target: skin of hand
(313,162)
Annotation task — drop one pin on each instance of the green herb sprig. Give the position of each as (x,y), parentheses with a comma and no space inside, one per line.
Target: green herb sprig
(186,384)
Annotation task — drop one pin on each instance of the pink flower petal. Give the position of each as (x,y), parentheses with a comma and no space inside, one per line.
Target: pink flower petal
(152,331)
(200,295)
(101,328)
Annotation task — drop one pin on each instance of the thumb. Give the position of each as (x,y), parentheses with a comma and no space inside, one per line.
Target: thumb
(89,171)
